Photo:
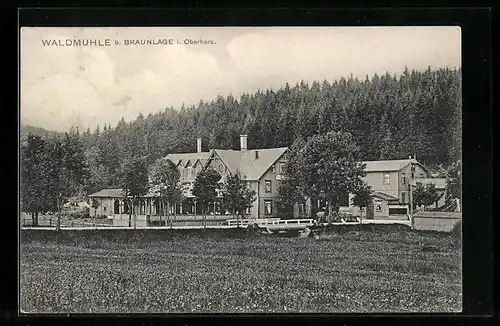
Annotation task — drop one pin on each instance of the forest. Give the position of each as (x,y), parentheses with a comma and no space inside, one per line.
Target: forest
(389,117)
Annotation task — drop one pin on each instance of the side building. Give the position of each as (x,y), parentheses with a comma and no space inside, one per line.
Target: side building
(390,182)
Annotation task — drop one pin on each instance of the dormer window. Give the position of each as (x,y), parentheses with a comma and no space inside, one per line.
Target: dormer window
(282,167)
(267,185)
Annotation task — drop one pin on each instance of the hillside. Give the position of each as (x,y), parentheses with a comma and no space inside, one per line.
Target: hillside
(26,129)
(389,117)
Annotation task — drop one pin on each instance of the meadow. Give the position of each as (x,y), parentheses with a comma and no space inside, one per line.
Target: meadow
(360,269)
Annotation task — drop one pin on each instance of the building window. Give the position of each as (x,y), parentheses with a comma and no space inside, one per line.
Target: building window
(116,206)
(268,185)
(421,176)
(378,207)
(273,168)
(344,199)
(247,211)
(104,208)
(142,208)
(221,168)
(248,184)
(403,197)
(282,167)
(387,178)
(268,207)
(403,178)
(184,173)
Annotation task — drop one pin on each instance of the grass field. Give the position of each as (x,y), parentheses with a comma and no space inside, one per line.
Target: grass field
(368,269)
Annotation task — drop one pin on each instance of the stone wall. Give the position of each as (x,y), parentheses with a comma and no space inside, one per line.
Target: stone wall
(436,221)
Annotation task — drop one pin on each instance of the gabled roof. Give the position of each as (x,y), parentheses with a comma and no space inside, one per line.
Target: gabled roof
(185,157)
(230,158)
(253,168)
(383,195)
(439,183)
(389,165)
(246,163)
(202,162)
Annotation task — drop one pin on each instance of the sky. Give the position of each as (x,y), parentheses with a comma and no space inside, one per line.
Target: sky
(86,86)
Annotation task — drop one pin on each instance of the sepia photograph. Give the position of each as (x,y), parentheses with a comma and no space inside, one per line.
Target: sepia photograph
(181,170)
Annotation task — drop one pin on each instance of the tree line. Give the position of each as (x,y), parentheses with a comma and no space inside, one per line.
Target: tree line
(387,117)
(54,169)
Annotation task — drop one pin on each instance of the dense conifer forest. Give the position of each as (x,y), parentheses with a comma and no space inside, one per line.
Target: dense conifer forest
(416,113)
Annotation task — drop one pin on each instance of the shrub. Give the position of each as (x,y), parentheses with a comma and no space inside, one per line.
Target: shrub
(81,214)
(456,233)
(157,223)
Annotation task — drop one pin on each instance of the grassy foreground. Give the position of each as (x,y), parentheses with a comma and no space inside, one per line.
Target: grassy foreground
(118,271)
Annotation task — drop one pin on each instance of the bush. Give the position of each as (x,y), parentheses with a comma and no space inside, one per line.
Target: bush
(84,214)
(157,223)
(456,233)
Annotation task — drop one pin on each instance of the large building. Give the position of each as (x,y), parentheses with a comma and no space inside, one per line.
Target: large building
(263,169)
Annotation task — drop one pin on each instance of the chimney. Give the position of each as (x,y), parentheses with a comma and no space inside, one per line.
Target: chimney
(243,142)
(198,145)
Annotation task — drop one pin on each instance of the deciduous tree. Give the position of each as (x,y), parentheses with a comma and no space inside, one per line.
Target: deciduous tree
(236,194)
(425,195)
(205,189)
(362,198)
(327,166)
(134,182)
(32,190)
(165,178)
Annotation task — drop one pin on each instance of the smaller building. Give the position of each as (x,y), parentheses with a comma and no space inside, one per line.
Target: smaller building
(439,184)
(391,181)
(113,204)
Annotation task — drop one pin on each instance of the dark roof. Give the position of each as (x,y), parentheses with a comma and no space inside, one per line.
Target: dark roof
(384,196)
